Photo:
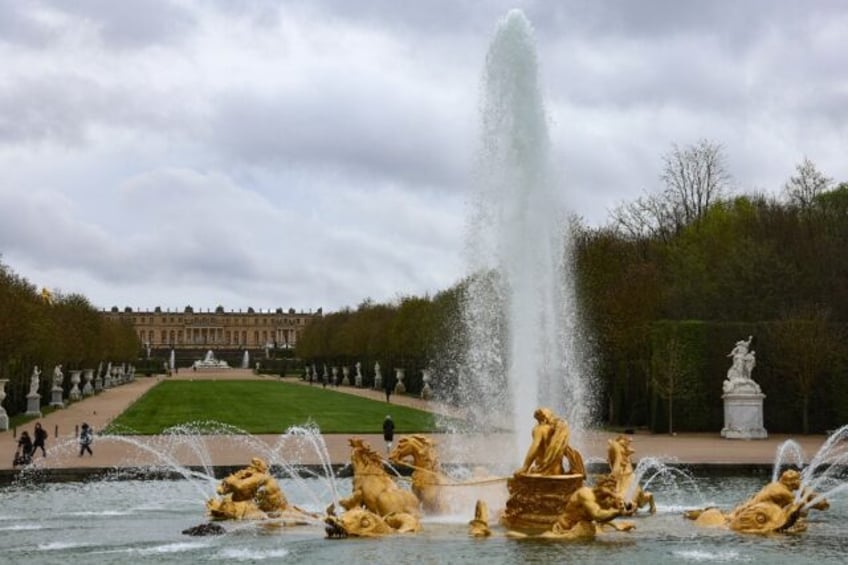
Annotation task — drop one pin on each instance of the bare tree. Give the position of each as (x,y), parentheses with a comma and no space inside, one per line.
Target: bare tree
(649,215)
(803,189)
(695,178)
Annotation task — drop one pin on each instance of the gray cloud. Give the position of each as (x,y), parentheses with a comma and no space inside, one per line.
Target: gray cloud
(304,154)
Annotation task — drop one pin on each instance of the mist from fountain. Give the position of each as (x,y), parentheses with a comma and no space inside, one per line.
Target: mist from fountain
(186,451)
(826,473)
(519,314)
(651,472)
(245,360)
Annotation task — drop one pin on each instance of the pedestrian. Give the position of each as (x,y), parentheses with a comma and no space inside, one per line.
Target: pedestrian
(388,390)
(40,437)
(85,438)
(388,432)
(23,456)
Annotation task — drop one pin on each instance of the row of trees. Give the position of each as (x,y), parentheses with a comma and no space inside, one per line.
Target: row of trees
(38,328)
(674,280)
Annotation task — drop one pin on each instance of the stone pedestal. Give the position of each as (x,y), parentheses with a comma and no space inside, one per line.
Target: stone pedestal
(426,391)
(34,404)
(535,502)
(345,376)
(743,416)
(88,388)
(400,388)
(56,394)
(76,393)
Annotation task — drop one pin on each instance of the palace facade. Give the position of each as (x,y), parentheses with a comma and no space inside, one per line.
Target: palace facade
(216,329)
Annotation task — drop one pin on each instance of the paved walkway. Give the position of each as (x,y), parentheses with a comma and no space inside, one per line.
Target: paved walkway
(100,410)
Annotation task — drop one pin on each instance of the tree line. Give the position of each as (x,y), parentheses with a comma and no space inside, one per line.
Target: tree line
(45,329)
(666,288)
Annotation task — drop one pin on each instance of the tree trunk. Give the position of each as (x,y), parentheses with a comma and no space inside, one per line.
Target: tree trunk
(670,407)
(805,413)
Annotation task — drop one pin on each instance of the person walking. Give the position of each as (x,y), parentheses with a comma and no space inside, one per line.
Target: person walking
(85,438)
(40,437)
(388,432)
(388,383)
(23,456)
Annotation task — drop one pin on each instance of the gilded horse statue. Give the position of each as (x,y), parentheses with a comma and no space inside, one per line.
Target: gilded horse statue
(373,487)
(619,453)
(252,493)
(427,475)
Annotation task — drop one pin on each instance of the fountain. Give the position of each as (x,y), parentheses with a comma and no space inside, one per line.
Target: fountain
(209,362)
(522,293)
(245,360)
(519,311)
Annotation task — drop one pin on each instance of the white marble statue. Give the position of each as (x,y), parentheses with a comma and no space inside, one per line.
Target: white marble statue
(739,375)
(58,376)
(34,380)
(357,380)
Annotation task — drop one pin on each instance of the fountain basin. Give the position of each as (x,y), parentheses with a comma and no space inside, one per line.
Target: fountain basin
(141,521)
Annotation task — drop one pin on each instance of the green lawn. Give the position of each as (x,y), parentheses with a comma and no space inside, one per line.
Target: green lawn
(260,407)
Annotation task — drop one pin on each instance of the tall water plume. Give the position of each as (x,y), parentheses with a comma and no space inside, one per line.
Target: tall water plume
(519,313)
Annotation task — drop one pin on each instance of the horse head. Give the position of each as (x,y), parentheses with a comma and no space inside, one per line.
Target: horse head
(362,457)
(420,448)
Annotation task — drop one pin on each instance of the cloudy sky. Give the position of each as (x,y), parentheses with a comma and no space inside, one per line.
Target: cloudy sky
(318,153)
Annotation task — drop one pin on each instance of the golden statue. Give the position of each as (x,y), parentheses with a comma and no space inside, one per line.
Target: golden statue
(427,475)
(588,510)
(540,490)
(773,508)
(253,494)
(361,522)
(550,446)
(373,488)
(619,453)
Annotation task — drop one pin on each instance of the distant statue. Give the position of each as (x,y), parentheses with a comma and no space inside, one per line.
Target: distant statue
(378,376)
(550,446)
(739,375)
(58,376)
(357,380)
(34,381)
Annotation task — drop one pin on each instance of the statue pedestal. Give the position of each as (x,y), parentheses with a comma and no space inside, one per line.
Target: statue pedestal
(536,501)
(743,416)
(56,397)
(33,405)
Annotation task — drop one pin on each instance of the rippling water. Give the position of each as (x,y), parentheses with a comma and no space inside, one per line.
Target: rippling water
(132,521)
